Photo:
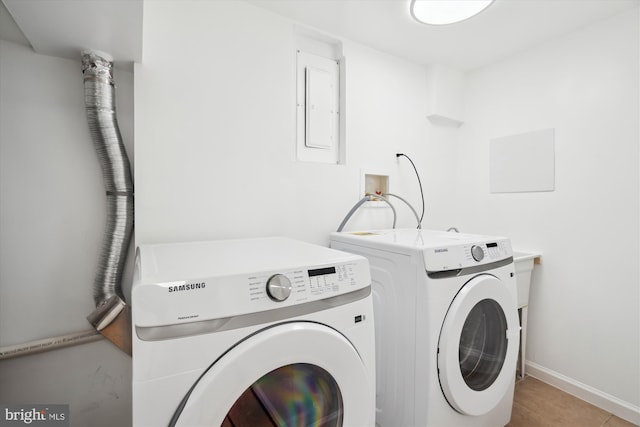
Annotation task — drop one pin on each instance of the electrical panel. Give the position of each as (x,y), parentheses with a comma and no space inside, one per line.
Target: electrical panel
(318,108)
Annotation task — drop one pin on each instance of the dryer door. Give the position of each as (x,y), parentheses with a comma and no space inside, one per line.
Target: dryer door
(478,346)
(291,374)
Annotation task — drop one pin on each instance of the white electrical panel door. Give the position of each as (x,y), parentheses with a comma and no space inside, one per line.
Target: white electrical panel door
(318,108)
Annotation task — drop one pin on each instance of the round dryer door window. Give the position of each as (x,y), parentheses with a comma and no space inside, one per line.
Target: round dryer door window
(478,346)
(300,394)
(292,374)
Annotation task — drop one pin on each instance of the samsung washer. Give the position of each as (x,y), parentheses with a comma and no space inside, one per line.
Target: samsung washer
(252,332)
(447,328)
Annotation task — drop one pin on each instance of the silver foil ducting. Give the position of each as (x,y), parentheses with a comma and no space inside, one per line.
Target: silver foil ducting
(99,96)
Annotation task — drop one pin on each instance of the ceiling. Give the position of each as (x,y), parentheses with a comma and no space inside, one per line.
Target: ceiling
(9,30)
(64,27)
(506,27)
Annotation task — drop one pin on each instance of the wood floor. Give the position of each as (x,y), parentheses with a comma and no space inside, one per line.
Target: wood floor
(536,404)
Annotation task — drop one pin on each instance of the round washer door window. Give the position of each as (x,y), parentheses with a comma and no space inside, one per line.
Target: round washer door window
(292,374)
(478,346)
(483,345)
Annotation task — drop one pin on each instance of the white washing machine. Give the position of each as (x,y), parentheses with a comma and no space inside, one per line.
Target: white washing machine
(447,326)
(261,332)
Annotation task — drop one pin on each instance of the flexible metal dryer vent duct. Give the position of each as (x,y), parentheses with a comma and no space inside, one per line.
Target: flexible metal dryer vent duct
(99,97)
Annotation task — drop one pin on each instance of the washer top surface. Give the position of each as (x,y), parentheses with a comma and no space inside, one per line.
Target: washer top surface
(176,261)
(442,250)
(413,238)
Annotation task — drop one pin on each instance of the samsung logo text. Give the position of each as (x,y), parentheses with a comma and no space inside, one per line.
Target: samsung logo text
(187,287)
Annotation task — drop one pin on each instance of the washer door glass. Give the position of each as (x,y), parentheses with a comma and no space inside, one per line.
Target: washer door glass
(294,395)
(478,345)
(291,374)
(483,345)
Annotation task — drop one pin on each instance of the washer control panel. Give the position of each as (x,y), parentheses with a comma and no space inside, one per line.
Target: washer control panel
(441,250)
(467,254)
(482,253)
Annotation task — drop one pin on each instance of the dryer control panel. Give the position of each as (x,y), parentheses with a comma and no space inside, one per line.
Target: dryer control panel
(303,284)
(183,283)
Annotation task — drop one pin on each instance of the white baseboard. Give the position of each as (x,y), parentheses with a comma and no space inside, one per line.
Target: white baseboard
(607,402)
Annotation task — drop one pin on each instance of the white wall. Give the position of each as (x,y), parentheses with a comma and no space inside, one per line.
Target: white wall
(584,316)
(215,128)
(52,214)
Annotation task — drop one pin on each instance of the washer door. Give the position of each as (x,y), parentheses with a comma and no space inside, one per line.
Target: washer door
(478,346)
(292,374)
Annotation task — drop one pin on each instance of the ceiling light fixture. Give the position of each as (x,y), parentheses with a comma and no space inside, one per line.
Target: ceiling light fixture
(443,12)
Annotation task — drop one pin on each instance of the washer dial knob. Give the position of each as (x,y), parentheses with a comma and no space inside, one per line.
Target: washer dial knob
(279,287)
(477,253)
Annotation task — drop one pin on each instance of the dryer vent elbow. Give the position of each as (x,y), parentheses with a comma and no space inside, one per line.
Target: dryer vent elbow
(112,318)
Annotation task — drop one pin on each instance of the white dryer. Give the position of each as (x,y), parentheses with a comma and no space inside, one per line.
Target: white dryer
(447,326)
(260,332)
